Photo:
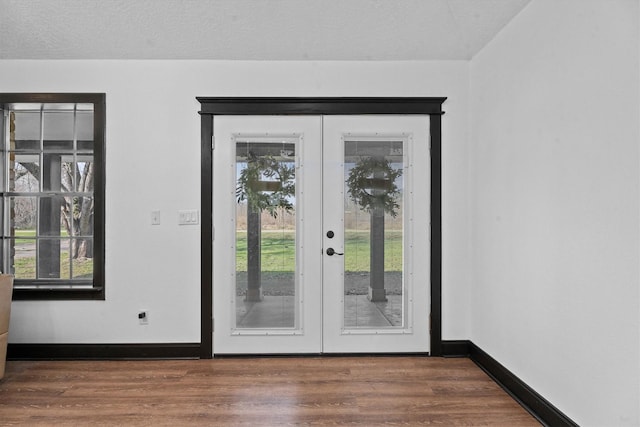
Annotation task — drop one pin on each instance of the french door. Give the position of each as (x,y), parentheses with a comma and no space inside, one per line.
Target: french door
(321,234)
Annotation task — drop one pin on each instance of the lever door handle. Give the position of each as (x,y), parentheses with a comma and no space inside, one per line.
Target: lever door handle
(331,252)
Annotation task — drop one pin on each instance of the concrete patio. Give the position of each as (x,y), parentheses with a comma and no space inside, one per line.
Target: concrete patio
(279,312)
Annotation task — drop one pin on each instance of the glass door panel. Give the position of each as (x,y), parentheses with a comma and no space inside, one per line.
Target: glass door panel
(265,294)
(373,233)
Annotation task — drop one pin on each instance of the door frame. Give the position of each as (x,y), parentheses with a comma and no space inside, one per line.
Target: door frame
(256,106)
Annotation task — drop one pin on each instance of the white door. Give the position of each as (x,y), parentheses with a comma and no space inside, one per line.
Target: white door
(376,198)
(321,229)
(267,264)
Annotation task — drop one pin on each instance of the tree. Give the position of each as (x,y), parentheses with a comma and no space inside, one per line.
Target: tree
(371,185)
(78,212)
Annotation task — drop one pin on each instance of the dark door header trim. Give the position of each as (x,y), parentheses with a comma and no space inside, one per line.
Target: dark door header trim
(324,106)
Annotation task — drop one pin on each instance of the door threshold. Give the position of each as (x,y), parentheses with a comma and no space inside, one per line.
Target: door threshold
(327,355)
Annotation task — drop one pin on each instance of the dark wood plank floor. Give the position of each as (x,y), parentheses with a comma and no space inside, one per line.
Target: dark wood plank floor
(365,391)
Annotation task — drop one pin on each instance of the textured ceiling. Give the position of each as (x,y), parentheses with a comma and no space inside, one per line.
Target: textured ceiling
(251,29)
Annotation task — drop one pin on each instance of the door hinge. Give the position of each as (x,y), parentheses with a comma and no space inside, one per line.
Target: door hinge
(213,142)
(213,324)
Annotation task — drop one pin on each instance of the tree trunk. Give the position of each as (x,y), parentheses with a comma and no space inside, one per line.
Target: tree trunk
(84,224)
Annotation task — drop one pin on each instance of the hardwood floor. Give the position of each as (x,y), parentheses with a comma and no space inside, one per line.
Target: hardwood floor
(364,391)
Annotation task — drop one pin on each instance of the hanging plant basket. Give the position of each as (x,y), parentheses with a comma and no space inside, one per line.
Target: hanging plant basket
(372,185)
(266,184)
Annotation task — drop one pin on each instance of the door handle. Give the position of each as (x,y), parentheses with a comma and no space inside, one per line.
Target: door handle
(331,252)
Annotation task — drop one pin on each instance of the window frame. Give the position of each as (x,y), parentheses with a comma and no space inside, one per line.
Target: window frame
(62,290)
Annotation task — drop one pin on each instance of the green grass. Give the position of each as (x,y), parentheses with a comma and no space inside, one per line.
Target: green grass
(25,268)
(356,250)
(278,251)
(23,234)
(28,236)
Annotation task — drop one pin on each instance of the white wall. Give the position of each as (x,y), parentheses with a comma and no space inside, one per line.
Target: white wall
(548,183)
(555,166)
(153,162)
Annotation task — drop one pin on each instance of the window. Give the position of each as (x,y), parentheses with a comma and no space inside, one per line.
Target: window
(52,194)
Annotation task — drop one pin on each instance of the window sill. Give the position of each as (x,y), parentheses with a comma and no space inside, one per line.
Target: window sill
(57,294)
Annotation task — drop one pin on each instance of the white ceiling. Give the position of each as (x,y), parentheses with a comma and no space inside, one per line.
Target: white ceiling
(251,29)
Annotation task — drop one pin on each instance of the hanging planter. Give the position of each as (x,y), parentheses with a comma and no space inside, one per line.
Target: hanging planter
(266,184)
(372,185)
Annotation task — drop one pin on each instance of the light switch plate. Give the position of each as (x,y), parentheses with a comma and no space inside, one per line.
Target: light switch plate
(155,217)
(189,217)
